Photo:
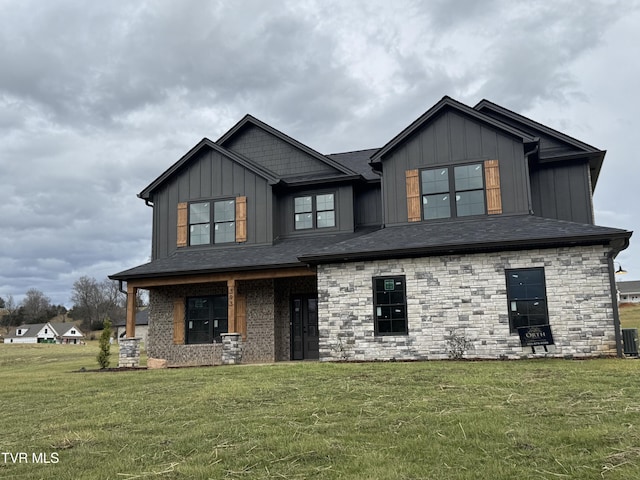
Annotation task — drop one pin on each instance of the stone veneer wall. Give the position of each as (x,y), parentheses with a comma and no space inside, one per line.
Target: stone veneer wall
(257,348)
(466,296)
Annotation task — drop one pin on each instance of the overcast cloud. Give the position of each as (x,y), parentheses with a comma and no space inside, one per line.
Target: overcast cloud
(98,98)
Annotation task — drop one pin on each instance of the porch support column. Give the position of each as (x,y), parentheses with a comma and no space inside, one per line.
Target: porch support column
(132,292)
(231,304)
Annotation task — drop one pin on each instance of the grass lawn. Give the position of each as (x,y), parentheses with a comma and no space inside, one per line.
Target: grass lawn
(630,316)
(544,419)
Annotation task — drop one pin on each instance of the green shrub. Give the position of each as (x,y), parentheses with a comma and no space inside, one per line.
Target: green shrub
(105,345)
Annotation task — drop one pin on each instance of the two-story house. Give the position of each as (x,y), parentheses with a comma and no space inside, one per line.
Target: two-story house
(472,224)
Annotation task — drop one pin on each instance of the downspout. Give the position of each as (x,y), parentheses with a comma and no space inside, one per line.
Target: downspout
(382,204)
(536,149)
(120,287)
(614,303)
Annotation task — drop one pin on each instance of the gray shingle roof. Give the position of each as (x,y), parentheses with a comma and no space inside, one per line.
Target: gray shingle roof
(629,287)
(32,329)
(142,318)
(493,233)
(358,162)
(282,254)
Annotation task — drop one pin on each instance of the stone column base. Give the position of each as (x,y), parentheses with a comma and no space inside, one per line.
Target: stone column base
(129,353)
(231,348)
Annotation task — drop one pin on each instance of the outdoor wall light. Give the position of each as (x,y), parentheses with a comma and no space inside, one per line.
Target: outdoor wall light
(620,270)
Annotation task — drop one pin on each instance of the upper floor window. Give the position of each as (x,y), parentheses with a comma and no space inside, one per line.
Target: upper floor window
(527,297)
(456,191)
(314,211)
(202,215)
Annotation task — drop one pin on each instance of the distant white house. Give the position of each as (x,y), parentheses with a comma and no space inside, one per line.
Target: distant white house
(45,333)
(629,291)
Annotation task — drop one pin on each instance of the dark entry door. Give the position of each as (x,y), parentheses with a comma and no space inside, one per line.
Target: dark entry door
(304,327)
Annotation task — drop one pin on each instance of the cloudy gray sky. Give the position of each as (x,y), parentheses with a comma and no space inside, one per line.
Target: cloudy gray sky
(99,98)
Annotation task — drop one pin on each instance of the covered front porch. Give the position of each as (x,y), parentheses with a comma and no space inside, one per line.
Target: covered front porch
(270,311)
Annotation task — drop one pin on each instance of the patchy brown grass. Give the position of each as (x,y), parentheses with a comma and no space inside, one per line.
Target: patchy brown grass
(423,420)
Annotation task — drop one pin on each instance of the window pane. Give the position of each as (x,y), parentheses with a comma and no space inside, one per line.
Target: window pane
(470,203)
(324,202)
(468,177)
(225,232)
(436,206)
(398,312)
(326,219)
(303,220)
(220,326)
(199,234)
(435,181)
(399,326)
(526,284)
(302,204)
(199,331)
(384,326)
(224,211)
(199,213)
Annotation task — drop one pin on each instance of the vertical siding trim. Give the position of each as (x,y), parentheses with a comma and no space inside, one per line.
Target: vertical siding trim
(178,321)
(241,219)
(241,315)
(413,196)
(182,224)
(492,187)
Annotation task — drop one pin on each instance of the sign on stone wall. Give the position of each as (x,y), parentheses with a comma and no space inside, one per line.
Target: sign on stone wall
(535,336)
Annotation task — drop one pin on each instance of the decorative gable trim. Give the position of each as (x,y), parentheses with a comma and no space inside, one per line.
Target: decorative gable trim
(492,187)
(413,196)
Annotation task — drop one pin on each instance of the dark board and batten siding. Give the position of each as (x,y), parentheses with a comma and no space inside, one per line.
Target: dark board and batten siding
(450,139)
(563,192)
(368,205)
(210,176)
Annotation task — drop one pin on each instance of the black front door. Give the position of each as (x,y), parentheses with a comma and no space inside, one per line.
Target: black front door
(304,327)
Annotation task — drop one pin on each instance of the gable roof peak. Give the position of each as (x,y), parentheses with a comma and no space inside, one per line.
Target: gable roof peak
(448,102)
(206,143)
(250,119)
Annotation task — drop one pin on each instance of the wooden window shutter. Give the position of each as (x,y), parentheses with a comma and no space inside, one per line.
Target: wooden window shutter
(413,196)
(492,187)
(241,315)
(183,227)
(241,219)
(178,321)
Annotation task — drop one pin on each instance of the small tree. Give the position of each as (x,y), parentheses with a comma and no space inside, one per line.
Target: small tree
(105,345)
